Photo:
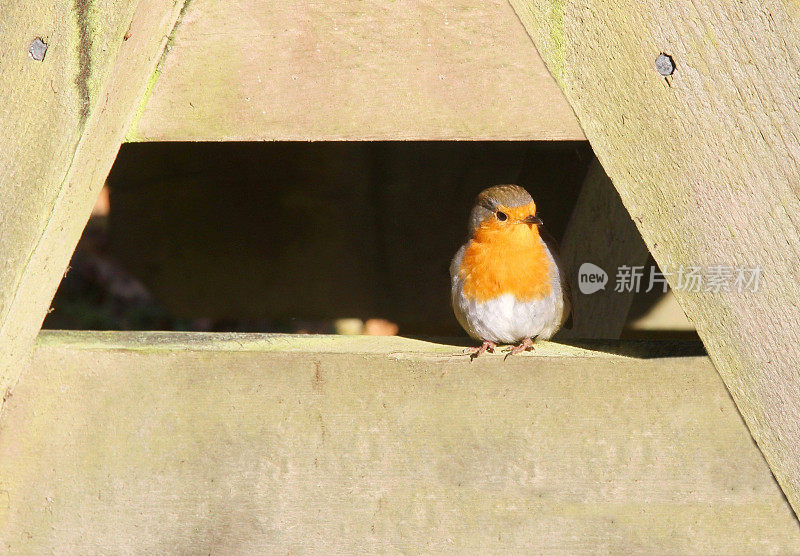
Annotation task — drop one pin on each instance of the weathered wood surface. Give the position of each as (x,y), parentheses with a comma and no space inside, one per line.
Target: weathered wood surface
(600,232)
(63,119)
(164,443)
(707,162)
(369,69)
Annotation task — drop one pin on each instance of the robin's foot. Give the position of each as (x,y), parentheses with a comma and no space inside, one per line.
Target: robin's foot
(485,346)
(526,345)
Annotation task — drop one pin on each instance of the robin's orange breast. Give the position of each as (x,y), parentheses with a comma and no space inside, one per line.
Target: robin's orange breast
(505,258)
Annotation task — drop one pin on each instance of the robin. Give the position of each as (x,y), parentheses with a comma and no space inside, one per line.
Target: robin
(507,284)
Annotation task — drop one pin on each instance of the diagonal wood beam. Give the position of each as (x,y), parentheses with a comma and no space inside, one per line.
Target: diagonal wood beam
(707,162)
(65,112)
(600,232)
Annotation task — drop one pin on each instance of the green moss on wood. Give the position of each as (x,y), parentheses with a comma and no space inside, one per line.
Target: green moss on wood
(84,49)
(556,27)
(133,132)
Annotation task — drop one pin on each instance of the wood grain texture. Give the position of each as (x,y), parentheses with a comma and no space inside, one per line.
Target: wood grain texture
(62,122)
(199,443)
(353,70)
(600,232)
(708,164)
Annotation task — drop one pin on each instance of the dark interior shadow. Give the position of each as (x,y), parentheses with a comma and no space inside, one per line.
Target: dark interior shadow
(284,237)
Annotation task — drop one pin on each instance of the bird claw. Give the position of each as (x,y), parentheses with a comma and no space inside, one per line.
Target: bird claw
(484,347)
(525,345)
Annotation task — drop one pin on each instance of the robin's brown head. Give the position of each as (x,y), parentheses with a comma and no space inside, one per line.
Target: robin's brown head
(503,205)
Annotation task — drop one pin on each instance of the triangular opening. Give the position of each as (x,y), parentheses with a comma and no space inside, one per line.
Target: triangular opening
(304,237)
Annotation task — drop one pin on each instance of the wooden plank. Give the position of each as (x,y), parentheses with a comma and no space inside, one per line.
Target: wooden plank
(62,122)
(164,443)
(601,233)
(706,161)
(330,70)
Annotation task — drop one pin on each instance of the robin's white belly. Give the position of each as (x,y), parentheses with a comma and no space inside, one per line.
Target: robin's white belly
(505,319)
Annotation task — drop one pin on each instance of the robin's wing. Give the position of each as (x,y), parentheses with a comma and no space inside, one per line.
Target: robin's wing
(566,289)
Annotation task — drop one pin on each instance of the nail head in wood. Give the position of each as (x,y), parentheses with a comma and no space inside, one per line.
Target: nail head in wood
(665,65)
(38,49)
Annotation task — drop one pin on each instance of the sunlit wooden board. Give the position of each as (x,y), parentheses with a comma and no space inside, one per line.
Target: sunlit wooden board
(246,443)
(324,70)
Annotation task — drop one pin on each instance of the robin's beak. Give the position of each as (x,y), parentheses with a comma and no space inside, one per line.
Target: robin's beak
(532,219)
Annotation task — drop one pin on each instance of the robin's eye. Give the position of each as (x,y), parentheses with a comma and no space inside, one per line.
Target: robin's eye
(501,216)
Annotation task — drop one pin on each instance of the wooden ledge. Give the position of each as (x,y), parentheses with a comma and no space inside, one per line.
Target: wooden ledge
(248,443)
(323,343)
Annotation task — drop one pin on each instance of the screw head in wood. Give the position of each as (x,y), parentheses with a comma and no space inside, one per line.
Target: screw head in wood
(665,65)
(37,49)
